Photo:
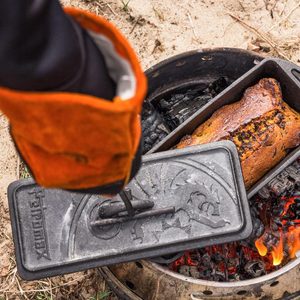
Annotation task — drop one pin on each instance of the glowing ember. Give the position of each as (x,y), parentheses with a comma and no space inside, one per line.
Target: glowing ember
(294,241)
(227,262)
(275,239)
(282,237)
(278,241)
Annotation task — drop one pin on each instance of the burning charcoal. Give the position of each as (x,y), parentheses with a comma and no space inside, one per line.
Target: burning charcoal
(277,211)
(278,187)
(184,270)
(235,277)
(245,243)
(219,85)
(255,268)
(232,263)
(206,260)
(153,127)
(285,182)
(194,272)
(254,209)
(219,276)
(294,172)
(283,175)
(274,227)
(206,274)
(217,257)
(190,271)
(258,228)
(277,221)
(176,108)
(264,193)
(290,223)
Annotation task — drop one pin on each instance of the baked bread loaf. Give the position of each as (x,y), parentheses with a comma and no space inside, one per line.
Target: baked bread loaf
(261,125)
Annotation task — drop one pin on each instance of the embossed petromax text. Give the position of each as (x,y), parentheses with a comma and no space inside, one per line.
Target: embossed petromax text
(38,224)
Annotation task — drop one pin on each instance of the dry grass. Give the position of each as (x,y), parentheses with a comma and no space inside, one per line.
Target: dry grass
(280,48)
(84,285)
(23,171)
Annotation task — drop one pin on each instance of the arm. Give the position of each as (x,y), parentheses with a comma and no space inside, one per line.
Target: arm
(42,49)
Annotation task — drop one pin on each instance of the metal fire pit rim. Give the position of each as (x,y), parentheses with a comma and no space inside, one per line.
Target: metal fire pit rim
(118,288)
(262,279)
(203,50)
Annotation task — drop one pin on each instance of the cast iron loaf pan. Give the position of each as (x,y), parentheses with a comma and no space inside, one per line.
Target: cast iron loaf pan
(288,75)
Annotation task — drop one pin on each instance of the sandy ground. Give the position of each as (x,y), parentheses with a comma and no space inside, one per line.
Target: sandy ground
(157,30)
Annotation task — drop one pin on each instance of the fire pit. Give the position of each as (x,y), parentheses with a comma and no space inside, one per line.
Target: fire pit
(259,267)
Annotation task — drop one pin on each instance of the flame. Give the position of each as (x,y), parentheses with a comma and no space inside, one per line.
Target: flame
(278,243)
(277,252)
(260,246)
(294,242)
(288,234)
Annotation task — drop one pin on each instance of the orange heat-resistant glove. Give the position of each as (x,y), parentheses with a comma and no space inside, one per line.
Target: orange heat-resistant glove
(77,141)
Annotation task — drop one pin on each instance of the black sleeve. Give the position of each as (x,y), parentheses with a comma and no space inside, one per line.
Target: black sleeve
(42,49)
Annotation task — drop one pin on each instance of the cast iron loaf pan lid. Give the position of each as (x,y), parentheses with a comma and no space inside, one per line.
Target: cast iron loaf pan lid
(197,198)
(288,75)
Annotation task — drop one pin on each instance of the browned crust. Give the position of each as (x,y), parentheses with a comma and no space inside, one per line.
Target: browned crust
(261,124)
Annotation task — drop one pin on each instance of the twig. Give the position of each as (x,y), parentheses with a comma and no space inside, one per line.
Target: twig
(20,288)
(135,24)
(242,6)
(12,273)
(46,289)
(125,5)
(272,8)
(262,35)
(283,9)
(113,12)
(51,289)
(100,5)
(156,45)
(284,19)
(18,167)
(192,25)
(159,14)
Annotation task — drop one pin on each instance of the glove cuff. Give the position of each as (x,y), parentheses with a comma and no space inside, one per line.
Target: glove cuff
(77,141)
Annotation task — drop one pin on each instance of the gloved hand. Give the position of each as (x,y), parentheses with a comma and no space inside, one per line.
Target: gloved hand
(72,89)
